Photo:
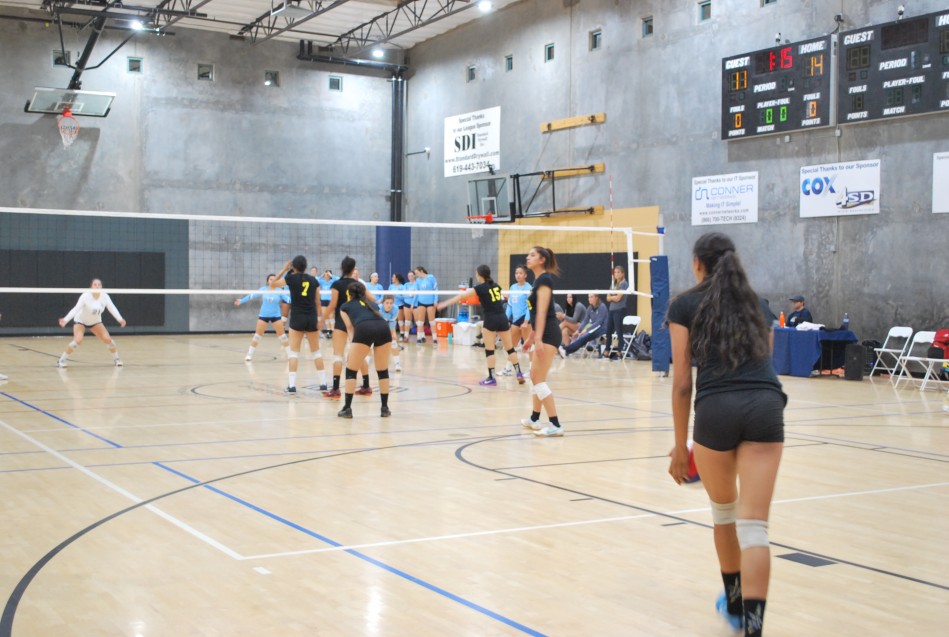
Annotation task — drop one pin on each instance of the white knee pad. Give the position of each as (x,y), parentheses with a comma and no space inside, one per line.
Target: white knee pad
(283,338)
(316,355)
(255,338)
(73,344)
(542,390)
(752,533)
(724,513)
(337,359)
(293,355)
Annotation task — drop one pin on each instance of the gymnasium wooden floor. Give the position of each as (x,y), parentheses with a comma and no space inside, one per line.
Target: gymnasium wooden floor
(184,494)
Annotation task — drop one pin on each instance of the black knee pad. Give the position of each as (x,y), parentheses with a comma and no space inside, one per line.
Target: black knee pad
(350,374)
(488,353)
(383,374)
(511,351)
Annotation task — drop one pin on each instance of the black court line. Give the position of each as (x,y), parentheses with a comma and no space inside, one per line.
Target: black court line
(460,455)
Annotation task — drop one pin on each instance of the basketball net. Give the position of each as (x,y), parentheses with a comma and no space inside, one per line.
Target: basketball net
(478,222)
(68,128)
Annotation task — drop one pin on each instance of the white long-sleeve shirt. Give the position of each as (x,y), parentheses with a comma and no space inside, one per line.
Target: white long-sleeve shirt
(88,310)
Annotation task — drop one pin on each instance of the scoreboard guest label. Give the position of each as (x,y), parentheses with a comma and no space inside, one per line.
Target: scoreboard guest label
(776,90)
(894,69)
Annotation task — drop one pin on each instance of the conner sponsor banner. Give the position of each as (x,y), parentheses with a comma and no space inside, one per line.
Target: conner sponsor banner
(849,188)
(473,142)
(941,182)
(725,199)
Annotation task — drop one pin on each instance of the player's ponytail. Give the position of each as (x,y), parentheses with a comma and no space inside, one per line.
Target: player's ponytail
(550,260)
(729,320)
(299,263)
(485,273)
(357,292)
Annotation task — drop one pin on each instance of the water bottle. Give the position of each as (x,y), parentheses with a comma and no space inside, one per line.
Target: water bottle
(846,323)
(781,319)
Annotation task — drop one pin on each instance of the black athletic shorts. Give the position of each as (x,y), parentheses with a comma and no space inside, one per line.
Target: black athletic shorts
(304,323)
(552,335)
(269,319)
(372,333)
(496,323)
(84,325)
(426,304)
(725,419)
(518,321)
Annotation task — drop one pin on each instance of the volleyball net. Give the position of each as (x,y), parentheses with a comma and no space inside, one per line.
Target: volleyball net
(180,273)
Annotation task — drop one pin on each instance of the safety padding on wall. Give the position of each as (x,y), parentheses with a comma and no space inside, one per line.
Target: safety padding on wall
(661,345)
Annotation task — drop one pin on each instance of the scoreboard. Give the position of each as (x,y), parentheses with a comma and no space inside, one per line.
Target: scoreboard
(784,88)
(894,69)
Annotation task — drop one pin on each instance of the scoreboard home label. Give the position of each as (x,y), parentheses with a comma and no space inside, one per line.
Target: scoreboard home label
(776,90)
(895,69)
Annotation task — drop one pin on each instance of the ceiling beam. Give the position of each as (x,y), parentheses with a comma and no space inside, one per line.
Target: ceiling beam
(407,17)
(273,23)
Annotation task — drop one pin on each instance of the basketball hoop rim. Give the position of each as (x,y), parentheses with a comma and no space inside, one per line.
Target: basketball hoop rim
(480,219)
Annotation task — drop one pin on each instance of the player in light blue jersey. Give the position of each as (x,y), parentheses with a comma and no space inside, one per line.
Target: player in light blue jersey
(390,312)
(396,285)
(425,310)
(374,285)
(269,313)
(517,312)
(409,302)
(326,281)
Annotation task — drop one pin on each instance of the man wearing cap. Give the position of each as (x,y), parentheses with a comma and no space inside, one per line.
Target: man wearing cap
(800,313)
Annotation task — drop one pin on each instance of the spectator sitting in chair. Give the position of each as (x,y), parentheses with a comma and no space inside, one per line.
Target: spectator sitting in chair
(571,318)
(800,313)
(593,326)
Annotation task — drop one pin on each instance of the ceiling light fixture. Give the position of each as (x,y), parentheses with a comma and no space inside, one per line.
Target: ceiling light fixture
(485,6)
(289,10)
(137,25)
(378,53)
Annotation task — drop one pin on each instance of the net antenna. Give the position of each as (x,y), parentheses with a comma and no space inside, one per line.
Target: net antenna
(68,127)
(612,253)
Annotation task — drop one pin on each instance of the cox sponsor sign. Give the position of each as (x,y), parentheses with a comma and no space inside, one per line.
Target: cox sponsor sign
(725,199)
(473,142)
(830,190)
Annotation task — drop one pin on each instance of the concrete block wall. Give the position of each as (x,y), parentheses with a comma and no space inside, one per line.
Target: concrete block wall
(661,95)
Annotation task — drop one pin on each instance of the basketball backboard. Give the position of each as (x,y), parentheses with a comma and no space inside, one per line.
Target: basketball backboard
(489,196)
(57,100)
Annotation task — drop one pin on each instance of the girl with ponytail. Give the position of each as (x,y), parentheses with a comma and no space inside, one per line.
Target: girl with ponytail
(722,326)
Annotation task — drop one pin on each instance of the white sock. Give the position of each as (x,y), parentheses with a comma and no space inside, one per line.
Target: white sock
(322,376)
(250,351)
(293,380)
(397,360)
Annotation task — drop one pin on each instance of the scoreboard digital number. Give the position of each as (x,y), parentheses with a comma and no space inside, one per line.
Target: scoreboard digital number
(776,90)
(895,69)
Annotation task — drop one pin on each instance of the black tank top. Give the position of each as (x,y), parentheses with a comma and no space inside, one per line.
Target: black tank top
(361,311)
(304,292)
(489,295)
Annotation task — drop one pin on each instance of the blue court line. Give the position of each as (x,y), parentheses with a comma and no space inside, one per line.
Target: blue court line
(58,419)
(391,569)
(294,525)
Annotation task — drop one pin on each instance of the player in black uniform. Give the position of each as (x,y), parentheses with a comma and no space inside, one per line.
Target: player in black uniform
(724,327)
(495,321)
(304,320)
(366,328)
(542,262)
(339,295)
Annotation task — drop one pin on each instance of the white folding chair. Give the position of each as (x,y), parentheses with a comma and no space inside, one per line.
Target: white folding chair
(918,348)
(894,346)
(628,337)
